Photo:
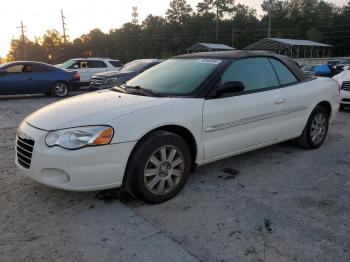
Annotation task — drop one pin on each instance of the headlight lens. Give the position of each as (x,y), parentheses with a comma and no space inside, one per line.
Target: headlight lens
(110,80)
(79,137)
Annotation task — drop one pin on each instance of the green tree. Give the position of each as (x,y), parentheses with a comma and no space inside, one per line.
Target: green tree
(220,7)
(157,37)
(178,11)
(154,36)
(52,44)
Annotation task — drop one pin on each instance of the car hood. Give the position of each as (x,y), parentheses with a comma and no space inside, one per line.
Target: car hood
(343,76)
(95,108)
(114,73)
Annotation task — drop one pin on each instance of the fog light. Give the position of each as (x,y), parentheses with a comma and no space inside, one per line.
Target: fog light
(54,176)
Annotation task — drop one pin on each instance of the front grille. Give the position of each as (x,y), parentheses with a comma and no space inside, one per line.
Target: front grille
(346,100)
(97,81)
(346,85)
(24,149)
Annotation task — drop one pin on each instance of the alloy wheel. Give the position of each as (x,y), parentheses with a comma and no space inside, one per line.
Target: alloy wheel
(318,128)
(61,89)
(164,170)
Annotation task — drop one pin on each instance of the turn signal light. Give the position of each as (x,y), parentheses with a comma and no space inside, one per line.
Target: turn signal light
(104,137)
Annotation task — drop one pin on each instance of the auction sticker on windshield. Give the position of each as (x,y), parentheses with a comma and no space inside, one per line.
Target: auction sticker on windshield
(210,61)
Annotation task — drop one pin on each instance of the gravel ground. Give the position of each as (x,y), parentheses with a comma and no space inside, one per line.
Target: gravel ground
(280,203)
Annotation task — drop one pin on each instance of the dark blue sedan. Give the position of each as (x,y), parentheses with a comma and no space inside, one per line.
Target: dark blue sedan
(34,77)
(115,78)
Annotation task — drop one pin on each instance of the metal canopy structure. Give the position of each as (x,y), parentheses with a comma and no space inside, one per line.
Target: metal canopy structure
(208,47)
(293,48)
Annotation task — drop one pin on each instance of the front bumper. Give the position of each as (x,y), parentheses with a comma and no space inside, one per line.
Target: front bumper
(76,85)
(345,97)
(86,169)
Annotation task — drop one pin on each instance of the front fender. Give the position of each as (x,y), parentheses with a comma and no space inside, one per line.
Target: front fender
(185,113)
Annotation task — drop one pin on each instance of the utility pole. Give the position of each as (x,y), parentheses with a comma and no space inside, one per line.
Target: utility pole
(13,45)
(233,29)
(269,29)
(217,21)
(23,41)
(64,27)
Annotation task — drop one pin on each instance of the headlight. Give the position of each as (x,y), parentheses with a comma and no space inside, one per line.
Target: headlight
(79,137)
(110,80)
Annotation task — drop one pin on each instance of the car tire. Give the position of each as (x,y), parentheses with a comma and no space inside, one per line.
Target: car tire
(60,89)
(316,129)
(158,168)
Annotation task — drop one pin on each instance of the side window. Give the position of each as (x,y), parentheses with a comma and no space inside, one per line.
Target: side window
(96,64)
(116,63)
(83,64)
(284,74)
(14,69)
(41,68)
(152,65)
(148,66)
(255,73)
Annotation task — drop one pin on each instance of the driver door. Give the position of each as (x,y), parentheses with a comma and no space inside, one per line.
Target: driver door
(16,80)
(250,118)
(82,67)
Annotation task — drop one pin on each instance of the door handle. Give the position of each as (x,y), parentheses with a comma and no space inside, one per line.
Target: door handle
(280,101)
(30,78)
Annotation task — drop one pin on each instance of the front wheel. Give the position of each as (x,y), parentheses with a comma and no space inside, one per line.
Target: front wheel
(316,129)
(60,89)
(158,168)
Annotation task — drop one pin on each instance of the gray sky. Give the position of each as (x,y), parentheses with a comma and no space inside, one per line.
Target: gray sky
(81,15)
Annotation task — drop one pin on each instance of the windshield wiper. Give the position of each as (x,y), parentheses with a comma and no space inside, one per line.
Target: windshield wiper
(118,89)
(141,90)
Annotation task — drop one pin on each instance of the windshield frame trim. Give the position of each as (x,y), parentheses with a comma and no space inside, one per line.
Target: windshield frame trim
(207,84)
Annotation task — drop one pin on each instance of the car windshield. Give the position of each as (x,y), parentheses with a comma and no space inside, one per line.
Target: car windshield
(67,64)
(176,76)
(345,61)
(136,66)
(307,67)
(5,64)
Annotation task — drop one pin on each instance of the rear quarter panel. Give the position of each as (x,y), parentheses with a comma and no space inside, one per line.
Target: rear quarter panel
(306,96)
(46,79)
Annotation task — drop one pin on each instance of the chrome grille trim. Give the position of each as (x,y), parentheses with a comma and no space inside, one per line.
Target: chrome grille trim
(24,149)
(97,81)
(27,157)
(346,86)
(20,140)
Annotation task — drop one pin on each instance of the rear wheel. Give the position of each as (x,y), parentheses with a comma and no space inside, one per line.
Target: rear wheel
(316,129)
(60,89)
(159,167)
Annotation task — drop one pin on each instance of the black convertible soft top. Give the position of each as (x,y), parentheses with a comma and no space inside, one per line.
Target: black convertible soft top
(239,54)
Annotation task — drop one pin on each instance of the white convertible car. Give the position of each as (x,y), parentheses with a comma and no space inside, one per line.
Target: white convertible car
(149,134)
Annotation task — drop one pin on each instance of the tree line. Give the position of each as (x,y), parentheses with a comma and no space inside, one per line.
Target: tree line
(216,21)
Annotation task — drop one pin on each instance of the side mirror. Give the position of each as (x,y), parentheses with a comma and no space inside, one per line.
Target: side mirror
(76,67)
(2,72)
(229,88)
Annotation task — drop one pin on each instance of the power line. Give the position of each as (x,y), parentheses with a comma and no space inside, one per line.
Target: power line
(64,27)
(23,41)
